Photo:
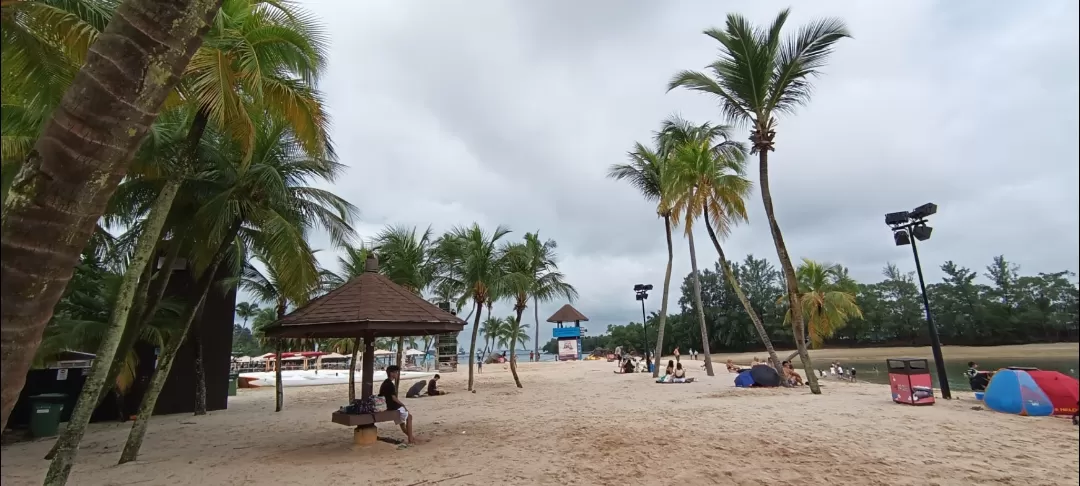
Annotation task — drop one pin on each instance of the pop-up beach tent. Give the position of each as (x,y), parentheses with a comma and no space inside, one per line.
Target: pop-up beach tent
(1016,392)
(1062,390)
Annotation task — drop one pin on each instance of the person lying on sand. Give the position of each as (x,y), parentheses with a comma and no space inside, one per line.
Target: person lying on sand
(389,393)
(433,387)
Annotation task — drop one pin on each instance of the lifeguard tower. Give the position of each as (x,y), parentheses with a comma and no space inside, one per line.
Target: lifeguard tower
(569,338)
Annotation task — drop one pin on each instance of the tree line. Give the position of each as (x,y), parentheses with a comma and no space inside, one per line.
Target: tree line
(1002,307)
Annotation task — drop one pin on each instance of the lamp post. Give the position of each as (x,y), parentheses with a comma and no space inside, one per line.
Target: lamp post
(641,292)
(907,227)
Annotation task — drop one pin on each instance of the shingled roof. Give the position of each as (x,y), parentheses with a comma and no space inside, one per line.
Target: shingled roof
(567,313)
(369,305)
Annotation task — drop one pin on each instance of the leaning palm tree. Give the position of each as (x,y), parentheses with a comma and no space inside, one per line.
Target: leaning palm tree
(471,262)
(548,282)
(722,190)
(69,188)
(526,278)
(758,76)
(698,160)
(827,298)
(643,172)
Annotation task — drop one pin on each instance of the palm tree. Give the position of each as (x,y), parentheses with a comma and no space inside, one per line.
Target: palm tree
(549,281)
(69,188)
(719,175)
(406,259)
(246,310)
(827,298)
(530,273)
(271,220)
(643,172)
(698,159)
(491,329)
(471,262)
(757,76)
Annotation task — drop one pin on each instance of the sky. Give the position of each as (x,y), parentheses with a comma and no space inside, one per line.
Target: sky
(497,112)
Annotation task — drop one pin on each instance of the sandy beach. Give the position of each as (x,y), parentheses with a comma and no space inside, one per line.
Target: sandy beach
(579,423)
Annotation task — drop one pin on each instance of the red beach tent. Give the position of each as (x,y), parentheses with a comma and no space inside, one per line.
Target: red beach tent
(1063,390)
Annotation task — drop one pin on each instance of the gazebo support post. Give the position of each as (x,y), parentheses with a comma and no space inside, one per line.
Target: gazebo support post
(367,375)
(367,434)
(279,397)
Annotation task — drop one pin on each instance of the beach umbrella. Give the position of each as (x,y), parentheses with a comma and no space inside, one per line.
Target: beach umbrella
(243,359)
(414,352)
(383,352)
(333,356)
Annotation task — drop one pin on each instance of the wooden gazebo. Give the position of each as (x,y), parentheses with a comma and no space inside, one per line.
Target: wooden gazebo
(367,307)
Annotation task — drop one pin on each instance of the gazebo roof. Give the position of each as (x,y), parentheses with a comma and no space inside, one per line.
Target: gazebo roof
(567,313)
(369,305)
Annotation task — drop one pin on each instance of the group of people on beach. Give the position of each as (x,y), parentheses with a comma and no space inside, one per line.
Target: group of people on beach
(674,373)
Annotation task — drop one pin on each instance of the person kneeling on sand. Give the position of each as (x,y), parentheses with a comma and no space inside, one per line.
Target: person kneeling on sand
(433,386)
(389,393)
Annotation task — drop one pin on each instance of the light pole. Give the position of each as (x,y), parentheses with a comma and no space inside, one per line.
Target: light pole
(907,227)
(641,292)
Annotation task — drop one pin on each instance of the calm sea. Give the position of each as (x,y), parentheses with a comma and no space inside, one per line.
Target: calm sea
(874,371)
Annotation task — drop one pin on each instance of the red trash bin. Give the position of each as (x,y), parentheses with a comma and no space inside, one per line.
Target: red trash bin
(910,381)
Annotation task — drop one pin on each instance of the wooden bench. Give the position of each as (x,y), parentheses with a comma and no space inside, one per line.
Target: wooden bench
(366,433)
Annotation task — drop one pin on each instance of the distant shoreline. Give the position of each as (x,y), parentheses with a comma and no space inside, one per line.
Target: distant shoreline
(1043,350)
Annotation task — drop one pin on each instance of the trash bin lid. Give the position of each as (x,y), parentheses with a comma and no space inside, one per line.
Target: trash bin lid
(49,396)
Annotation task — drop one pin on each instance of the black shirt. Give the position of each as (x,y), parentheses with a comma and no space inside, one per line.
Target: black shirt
(432,388)
(388,391)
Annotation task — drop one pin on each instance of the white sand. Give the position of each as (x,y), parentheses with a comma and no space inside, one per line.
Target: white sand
(578,423)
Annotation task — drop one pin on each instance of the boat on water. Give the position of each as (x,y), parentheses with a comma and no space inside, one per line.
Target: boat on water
(317,377)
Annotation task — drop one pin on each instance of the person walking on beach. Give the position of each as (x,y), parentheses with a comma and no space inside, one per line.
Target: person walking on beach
(676,354)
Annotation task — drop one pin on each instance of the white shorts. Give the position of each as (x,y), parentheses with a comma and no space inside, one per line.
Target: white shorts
(403,415)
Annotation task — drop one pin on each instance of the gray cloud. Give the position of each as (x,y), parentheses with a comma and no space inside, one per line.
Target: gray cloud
(511,112)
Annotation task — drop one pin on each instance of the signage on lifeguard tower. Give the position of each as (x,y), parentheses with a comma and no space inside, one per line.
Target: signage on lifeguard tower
(568,349)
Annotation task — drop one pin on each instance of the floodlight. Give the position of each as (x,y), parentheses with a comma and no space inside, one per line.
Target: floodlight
(901,238)
(893,219)
(639,287)
(640,296)
(921,232)
(648,287)
(921,212)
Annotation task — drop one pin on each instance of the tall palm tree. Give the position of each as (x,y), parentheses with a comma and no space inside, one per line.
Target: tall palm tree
(827,298)
(549,281)
(406,258)
(491,329)
(69,188)
(471,261)
(246,310)
(643,172)
(528,275)
(719,175)
(266,208)
(758,76)
(698,158)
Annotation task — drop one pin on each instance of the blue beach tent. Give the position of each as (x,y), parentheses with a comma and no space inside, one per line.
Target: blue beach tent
(1015,391)
(744,380)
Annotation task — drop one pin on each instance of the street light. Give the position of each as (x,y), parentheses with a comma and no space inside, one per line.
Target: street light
(907,227)
(641,292)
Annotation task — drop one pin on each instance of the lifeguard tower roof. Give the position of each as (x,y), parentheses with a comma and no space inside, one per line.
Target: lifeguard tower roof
(567,313)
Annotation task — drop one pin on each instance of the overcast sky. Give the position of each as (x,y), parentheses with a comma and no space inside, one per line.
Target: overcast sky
(500,112)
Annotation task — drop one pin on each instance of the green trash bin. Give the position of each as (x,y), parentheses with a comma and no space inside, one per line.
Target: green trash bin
(45,418)
(233,377)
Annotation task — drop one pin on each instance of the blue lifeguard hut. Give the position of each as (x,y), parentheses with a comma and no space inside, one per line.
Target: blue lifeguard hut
(569,338)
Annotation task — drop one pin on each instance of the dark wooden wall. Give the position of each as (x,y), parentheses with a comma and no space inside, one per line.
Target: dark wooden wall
(216,327)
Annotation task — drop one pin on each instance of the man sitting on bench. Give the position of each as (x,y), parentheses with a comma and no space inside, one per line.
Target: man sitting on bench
(389,393)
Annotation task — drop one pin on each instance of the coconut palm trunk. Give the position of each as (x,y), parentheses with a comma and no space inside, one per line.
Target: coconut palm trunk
(513,345)
(472,344)
(279,392)
(699,305)
(790,281)
(754,317)
(352,370)
(400,357)
(536,329)
(68,444)
(168,354)
(662,321)
(82,153)
(199,367)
